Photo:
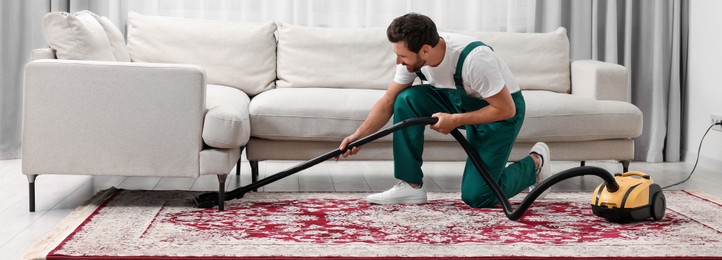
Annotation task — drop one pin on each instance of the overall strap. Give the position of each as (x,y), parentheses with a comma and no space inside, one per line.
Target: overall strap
(421,75)
(457,75)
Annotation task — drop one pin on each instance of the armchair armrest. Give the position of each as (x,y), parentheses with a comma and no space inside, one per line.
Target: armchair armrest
(599,80)
(112,118)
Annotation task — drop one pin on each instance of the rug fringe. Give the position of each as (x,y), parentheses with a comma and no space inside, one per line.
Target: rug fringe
(41,248)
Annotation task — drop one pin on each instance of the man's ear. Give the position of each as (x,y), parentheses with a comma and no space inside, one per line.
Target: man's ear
(425,49)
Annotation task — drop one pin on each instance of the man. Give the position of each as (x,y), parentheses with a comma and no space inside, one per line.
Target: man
(488,103)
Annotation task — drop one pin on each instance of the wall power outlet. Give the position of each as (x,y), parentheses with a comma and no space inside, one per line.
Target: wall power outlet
(716,119)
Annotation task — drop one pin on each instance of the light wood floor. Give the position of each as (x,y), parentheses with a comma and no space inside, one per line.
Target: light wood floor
(57,196)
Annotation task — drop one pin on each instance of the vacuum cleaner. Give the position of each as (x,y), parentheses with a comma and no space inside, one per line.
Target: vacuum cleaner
(631,196)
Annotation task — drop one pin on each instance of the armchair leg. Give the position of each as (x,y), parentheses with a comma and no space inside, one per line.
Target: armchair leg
(254,172)
(31,192)
(583,163)
(625,165)
(222,191)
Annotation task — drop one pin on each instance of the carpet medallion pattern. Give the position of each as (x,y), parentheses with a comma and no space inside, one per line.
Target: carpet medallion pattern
(163,224)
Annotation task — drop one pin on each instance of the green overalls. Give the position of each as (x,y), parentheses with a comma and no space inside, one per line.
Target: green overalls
(493,141)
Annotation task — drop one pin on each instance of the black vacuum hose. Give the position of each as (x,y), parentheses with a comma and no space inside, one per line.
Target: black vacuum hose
(512,214)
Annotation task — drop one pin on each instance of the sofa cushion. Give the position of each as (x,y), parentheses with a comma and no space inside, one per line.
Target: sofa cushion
(540,61)
(115,38)
(553,117)
(316,114)
(310,113)
(84,36)
(333,57)
(239,55)
(226,124)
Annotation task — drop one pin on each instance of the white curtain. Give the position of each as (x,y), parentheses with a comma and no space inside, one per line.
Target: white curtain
(488,15)
(20,32)
(643,35)
(646,37)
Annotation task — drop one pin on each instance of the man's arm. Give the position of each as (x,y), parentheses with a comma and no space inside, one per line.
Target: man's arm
(501,106)
(378,116)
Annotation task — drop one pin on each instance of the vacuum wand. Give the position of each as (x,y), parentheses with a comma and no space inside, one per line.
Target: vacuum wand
(211,199)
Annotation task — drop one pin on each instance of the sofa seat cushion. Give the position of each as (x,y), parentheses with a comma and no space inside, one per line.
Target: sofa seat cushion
(311,114)
(558,117)
(325,114)
(226,124)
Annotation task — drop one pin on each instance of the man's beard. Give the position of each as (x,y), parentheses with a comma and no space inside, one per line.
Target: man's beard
(414,68)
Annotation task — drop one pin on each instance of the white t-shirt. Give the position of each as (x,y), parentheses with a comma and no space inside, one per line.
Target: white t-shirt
(483,73)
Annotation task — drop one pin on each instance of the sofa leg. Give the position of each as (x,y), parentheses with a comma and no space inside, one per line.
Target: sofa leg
(254,172)
(238,167)
(583,163)
(31,192)
(625,165)
(222,191)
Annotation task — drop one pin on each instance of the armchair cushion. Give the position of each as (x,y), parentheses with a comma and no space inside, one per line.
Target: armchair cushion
(84,36)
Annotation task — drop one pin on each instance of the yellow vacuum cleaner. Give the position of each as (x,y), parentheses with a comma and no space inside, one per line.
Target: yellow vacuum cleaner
(637,198)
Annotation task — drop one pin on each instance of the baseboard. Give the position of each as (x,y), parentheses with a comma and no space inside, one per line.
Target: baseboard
(704,161)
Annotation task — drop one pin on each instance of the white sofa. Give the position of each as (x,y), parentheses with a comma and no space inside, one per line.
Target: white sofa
(193,94)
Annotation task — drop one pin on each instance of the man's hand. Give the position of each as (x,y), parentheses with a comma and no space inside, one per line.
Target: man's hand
(349,139)
(446,123)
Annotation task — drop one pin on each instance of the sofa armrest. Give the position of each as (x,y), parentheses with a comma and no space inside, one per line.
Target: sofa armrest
(44,53)
(599,80)
(112,118)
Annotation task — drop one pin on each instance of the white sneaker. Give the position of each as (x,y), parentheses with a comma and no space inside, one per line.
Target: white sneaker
(545,169)
(401,193)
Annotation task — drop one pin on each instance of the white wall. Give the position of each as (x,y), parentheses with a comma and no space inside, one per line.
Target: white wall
(704,83)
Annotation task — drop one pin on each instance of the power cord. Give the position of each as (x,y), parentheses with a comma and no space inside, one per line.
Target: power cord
(696,160)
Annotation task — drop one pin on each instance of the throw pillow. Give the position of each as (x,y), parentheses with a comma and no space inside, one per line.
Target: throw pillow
(84,36)
(115,38)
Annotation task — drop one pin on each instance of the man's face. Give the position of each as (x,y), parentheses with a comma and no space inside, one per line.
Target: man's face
(411,60)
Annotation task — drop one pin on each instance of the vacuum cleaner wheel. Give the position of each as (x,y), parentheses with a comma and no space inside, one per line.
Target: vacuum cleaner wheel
(659,205)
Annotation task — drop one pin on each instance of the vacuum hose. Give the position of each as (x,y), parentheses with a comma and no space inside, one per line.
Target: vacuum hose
(211,199)
(512,214)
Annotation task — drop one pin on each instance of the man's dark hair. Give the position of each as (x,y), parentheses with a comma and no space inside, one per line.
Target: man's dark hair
(414,29)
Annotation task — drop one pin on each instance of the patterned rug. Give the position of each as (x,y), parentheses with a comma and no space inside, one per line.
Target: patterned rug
(129,224)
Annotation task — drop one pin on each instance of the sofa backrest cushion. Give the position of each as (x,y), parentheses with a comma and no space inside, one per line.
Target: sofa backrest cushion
(115,38)
(539,61)
(334,57)
(84,36)
(239,55)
